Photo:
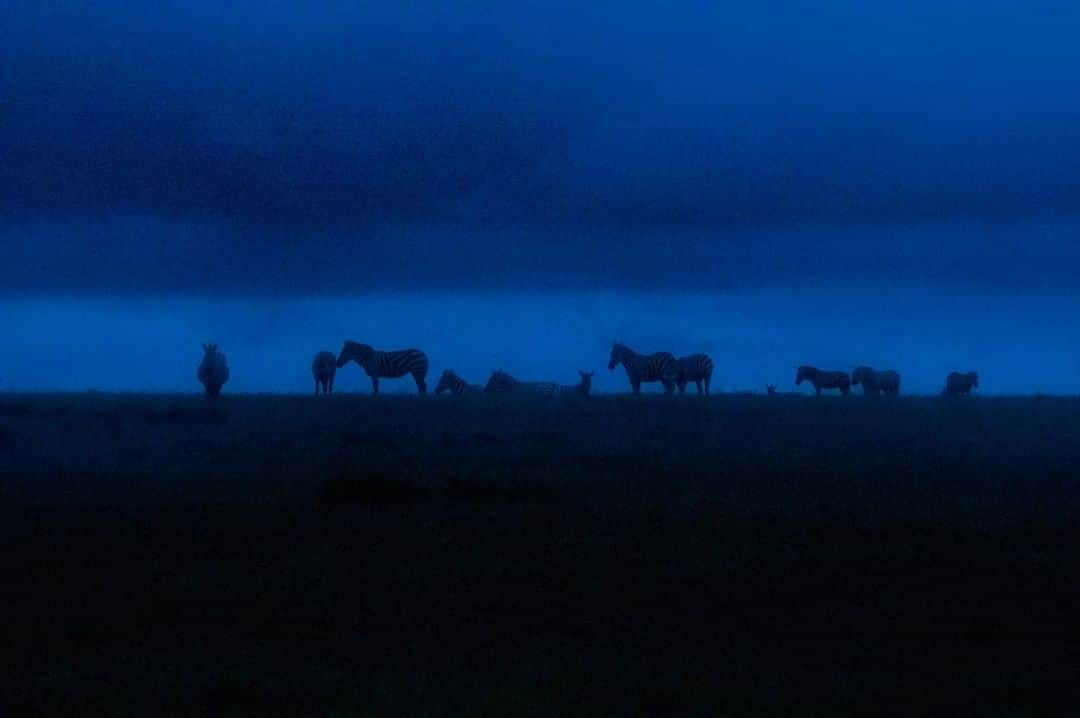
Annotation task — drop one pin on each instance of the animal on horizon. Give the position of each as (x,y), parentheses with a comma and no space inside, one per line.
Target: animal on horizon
(386,365)
(583,387)
(324,369)
(697,368)
(213,370)
(645,368)
(875,383)
(960,384)
(451,382)
(821,379)
(502,382)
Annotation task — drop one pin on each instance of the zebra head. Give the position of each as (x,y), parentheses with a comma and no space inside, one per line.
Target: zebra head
(446,381)
(619,352)
(353,351)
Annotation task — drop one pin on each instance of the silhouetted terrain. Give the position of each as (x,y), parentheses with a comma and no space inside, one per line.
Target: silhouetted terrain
(736,555)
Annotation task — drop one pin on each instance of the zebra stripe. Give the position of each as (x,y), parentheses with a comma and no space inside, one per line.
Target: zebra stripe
(642,368)
(324,369)
(957,384)
(386,365)
(697,368)
(451,382)
(824,379)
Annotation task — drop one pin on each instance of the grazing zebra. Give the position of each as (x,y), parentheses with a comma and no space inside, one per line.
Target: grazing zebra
(822,379)
(660,367)
(696,368)
(583,388)
(957,384)
(875,383)
(387,365)
(324,369)
(451,382)
(213,370)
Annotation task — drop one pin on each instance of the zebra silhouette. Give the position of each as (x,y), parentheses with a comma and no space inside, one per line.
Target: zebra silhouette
(451,382)
(213,370)
(874,382)
(957,384)
(644,368)
(824,379)
(386,365)
(502,382)
(324,369)
(695,368)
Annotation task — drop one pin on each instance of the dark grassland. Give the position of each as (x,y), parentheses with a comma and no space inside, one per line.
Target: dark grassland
(736,556)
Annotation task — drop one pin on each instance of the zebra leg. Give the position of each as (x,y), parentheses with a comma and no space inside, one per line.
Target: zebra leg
(682,387)
(708,380)
(374,385)
(669,388)
(698,383)
(817,390)
(330,387)
(636,386)
(421,385)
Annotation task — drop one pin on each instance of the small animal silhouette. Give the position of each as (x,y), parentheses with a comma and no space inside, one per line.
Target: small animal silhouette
(213,370)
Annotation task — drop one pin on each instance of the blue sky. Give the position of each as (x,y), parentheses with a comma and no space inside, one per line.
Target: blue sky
(913,166)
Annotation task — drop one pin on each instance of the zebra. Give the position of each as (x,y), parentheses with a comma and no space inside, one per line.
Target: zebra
(874,382)
(957,384)
(388,365)
(451,382)
(822,379)
(660,367)
(502,382)
(324,369)
(213,370)
(697,368)
(583,387)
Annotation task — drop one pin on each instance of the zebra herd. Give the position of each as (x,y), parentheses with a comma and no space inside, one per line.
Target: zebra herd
(663,367)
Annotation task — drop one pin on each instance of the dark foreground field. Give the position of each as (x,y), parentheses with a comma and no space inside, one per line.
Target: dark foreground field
(651,556)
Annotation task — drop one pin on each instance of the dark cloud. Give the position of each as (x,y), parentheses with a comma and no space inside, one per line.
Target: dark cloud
(272,146)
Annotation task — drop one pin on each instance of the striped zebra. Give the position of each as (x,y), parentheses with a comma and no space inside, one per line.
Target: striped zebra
(324,369)
(583,387)
(386,365)
(875,383)
(957,384)
(640,368)
(213,370)
(695,368)
(822,379)
(451,382)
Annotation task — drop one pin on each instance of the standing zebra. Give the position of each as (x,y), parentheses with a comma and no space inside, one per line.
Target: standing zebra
(583,387)
(388,365)
(695,368)
(451,382)
(822,379)
(874,382)
(213,370)
(957,384)
(660,367)
(324,369)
